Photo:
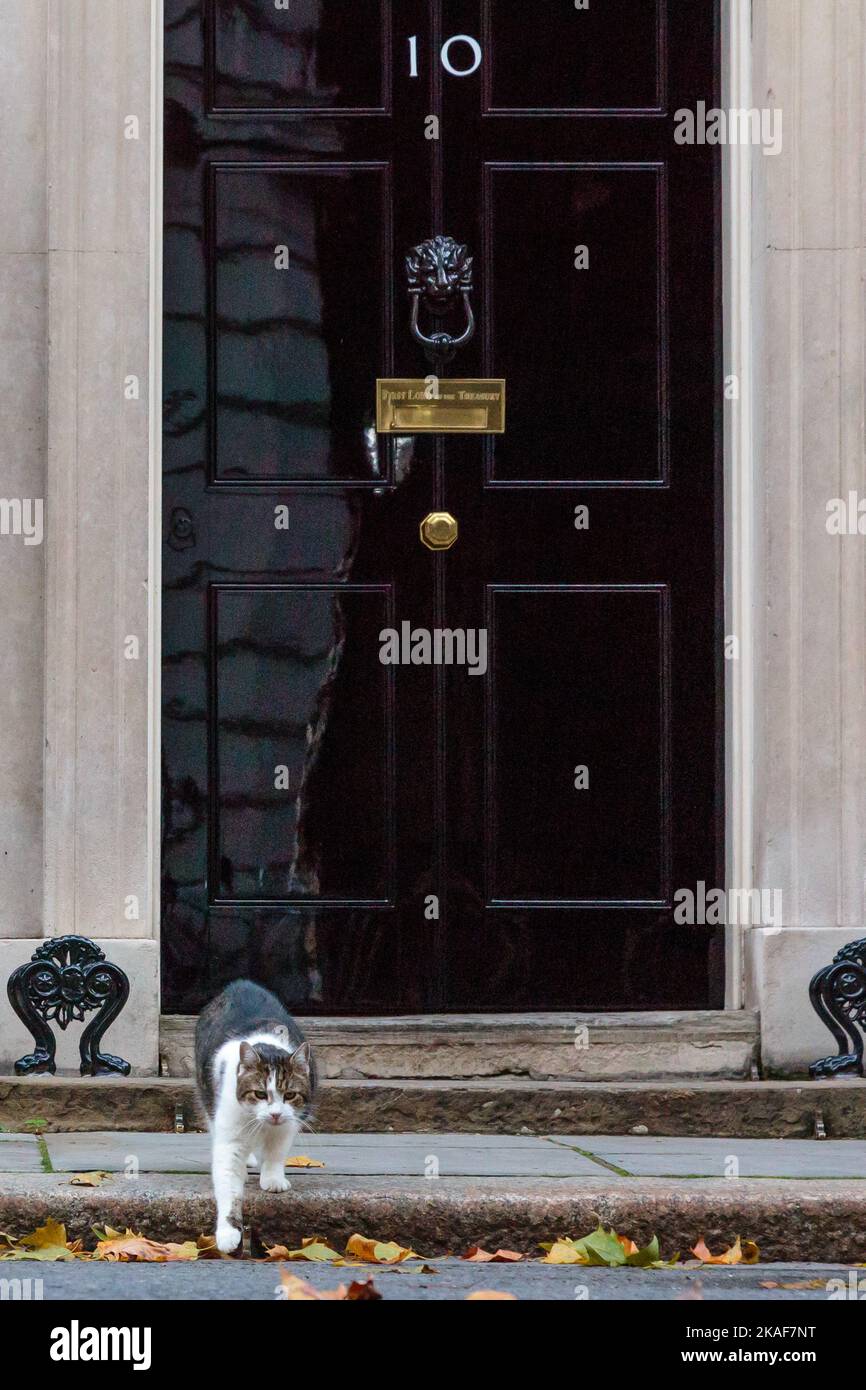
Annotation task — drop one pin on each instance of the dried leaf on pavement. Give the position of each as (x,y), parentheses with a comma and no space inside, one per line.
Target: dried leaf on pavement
(89,1179)
(379,1252)
(207,1249)
(302,1161)
(605,1248)
(490,1295)
(794,1284)
(741,1252)
(128,1246)
(312,1248)
(476,1255)
(47,1242)
(297,1290)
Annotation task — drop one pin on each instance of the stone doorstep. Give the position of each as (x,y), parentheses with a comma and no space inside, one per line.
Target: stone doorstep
(791,1220)
(736,1109)
(719,1045)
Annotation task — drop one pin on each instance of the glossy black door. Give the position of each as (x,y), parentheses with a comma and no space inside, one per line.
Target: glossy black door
(371,838)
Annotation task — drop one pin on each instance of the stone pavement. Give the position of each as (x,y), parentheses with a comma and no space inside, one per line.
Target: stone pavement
(799,1199)
(615,1158)
(448,1279)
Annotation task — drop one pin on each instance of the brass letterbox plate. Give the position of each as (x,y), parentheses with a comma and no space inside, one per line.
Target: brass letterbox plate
(407,406)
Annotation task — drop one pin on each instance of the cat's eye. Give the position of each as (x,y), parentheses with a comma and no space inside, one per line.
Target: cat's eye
(295,1098)
(260,1095)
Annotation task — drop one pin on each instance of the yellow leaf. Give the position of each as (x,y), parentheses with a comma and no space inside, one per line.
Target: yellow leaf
(132,1246)
(379,1252)
(483,1257)
(313,1249)
(563,1252)
(489,1295)
(301,1161)
(52,1233)
(89,1179)
(47,1242)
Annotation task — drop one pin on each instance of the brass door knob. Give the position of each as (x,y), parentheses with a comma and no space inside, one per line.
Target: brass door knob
(439,530)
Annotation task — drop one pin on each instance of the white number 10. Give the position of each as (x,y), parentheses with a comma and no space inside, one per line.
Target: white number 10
(445,55)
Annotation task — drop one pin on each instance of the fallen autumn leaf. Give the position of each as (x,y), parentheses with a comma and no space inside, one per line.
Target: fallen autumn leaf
(741,1252)
(476,1255)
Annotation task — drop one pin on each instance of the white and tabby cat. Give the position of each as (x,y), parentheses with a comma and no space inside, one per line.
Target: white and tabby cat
(256,1084)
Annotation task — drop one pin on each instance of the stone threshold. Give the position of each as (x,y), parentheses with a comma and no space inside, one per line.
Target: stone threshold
(713,1045)
(739,1109)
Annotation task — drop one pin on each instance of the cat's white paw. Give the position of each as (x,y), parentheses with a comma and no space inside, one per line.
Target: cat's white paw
(228,1238)
(273,1180)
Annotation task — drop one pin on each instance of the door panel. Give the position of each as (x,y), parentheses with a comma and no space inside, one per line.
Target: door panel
(603,654)
(372,838)
(300,59)
(608,58)
(276,651)
(583,352)
(307,422)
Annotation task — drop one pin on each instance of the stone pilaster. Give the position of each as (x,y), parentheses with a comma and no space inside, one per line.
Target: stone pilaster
(810,696)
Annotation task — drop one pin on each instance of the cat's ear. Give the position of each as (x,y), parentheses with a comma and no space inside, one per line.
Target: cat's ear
(301,1059)
(249,1056)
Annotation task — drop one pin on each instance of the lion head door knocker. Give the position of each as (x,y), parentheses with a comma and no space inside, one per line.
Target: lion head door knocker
(64,979)
(439,274)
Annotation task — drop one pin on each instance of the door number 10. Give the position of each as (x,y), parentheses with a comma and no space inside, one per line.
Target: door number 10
(472,44)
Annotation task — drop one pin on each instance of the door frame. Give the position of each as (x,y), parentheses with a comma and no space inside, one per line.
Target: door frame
(739,477)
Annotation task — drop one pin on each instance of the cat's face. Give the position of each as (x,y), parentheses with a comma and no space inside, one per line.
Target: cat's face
(273,1085)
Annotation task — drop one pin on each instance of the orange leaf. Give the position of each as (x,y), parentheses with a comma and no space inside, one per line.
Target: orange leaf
(301,1161)
(379,1252)
(795,1284)
(312,1248)
(738,1253)
(297,1290)
(483,1257)
(133,1246)
(207,1248)
(489,1295)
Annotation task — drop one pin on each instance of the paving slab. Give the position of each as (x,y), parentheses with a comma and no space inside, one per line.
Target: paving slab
(20,1153)
(244,1280)
(648,1156)
(357,1155)
(464,1155)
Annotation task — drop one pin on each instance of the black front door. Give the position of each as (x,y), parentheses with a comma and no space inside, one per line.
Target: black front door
(507,833)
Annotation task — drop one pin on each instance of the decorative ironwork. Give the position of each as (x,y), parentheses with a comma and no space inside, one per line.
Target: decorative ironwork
(64,979)
(838,995)
(439,272)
